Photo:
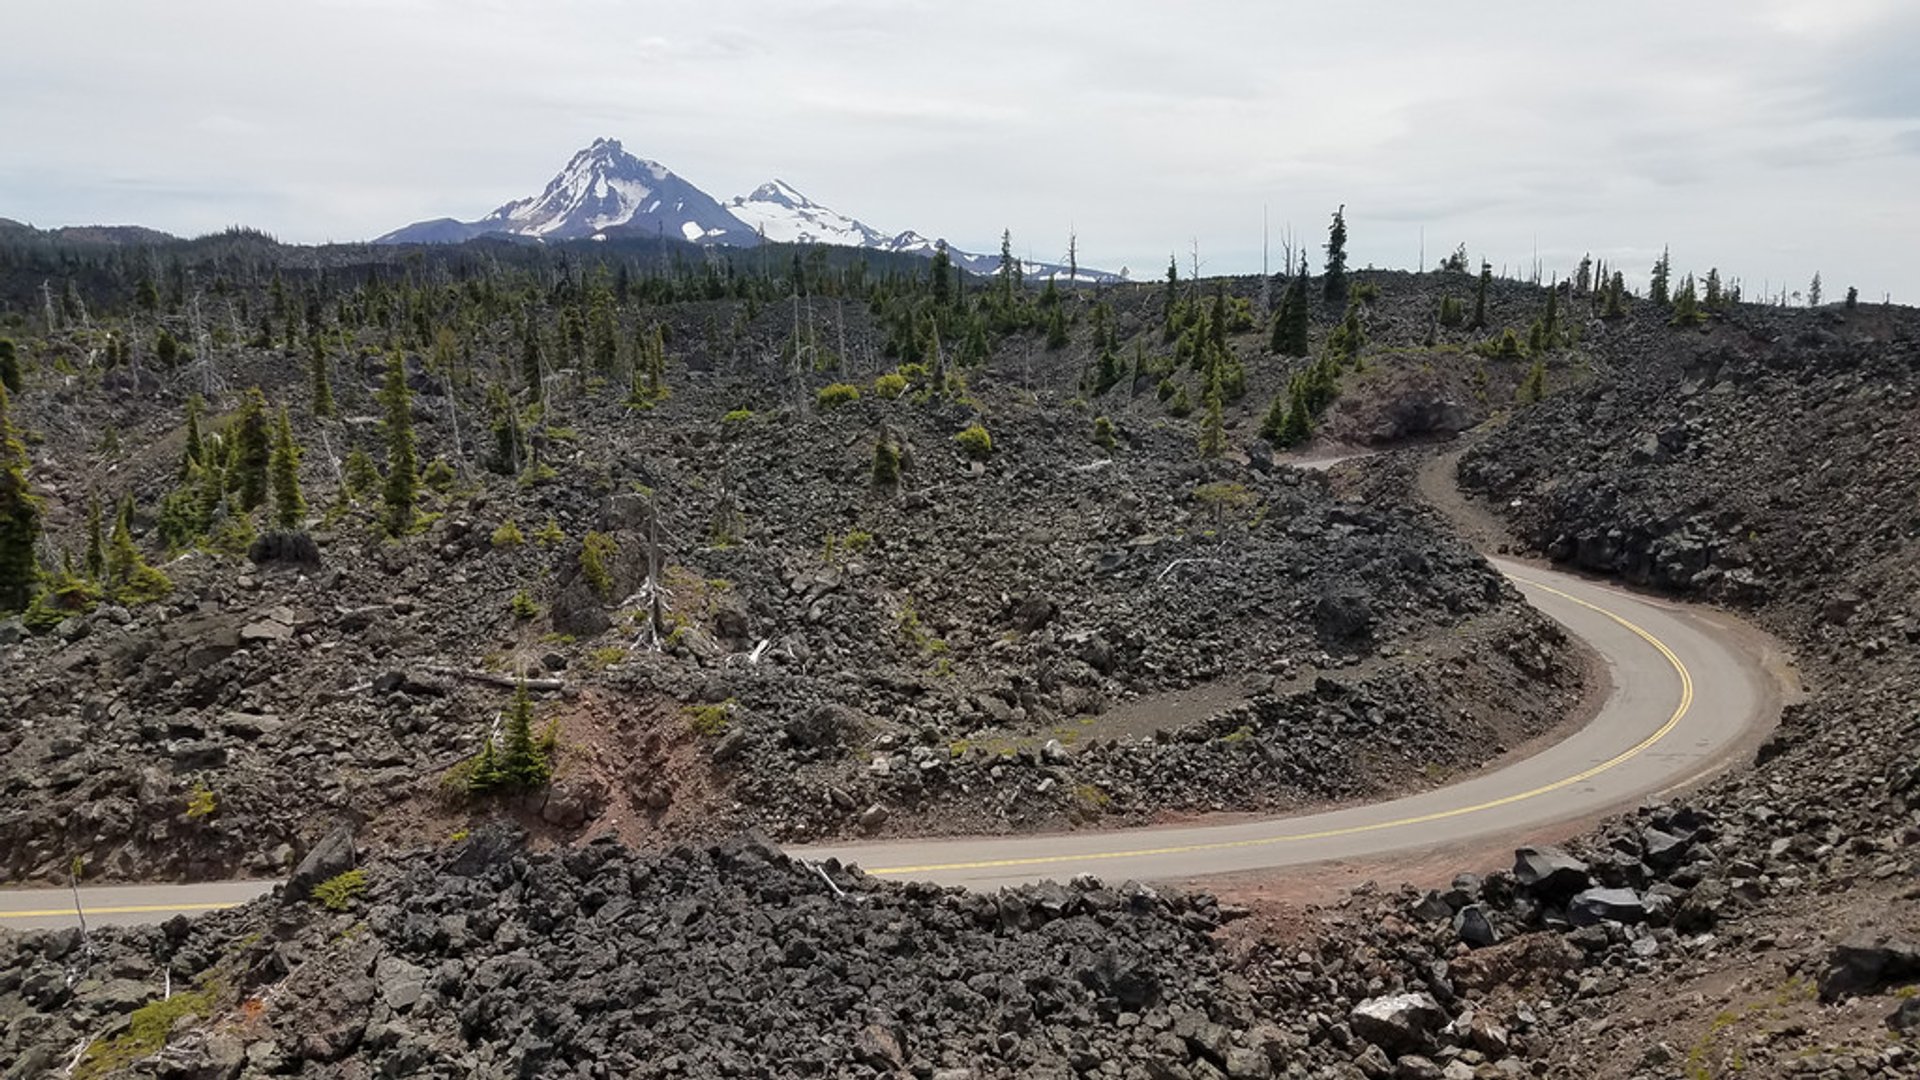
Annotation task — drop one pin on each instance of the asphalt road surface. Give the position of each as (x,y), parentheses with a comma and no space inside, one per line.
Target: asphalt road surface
(1686,691)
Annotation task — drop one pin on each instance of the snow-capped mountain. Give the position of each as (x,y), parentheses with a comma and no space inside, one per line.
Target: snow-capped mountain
(605,191)
(602,190)
(779,213)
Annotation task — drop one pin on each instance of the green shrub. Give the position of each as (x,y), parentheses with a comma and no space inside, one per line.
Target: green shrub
(737,416)
(975,443)
(146,1033)
(709,719)
(836,394)
(890,386)
(338,893)
(508,535)
(200,802)
(1103,433)
(597,553)
(886,463)
(550,534)
(523,607)
(438,475)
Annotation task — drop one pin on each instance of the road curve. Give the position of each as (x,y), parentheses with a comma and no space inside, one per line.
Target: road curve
(1686,692)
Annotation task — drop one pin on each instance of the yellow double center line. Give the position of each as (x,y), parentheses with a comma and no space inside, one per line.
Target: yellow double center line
(1679,713)
(124,909)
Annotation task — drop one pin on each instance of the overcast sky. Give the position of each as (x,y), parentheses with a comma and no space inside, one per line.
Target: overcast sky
(1770,138)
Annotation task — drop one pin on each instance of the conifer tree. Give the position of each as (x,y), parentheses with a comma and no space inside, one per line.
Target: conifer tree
(1813,291)
(1480,296)
(1550,322)
(1715,297)
(1658,283)
(531,366)
(1535,386)
(403,479)
(253,449)
(941,275)
(10,365)
(96,541)
(196,444)
(1275,420)
(289,507)
(1335,285)
(1616,296)
(1583,277)
(321,380)
(1298,426)
(129,579)
(506,432)
(1686,304)
(1213,432)
(521,762)
(486,776)
(19,516)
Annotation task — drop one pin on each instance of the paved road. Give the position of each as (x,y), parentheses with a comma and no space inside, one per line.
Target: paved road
(118,905)
(1685,692)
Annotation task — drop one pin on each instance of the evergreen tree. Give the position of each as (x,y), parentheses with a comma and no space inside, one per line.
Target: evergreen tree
(1813,291)
(1009,271)
(1298,426)
(1480,296)
(1686,304)
(96,541)
(1213,431)
(1170,307)
(940,275)
(506,432)
(1853,297)
(886,460)
(521,762)
(1658,284)
(1535,385)
(19,516)
(1583,277)
(288,504)
(196,445)
(1335,285)
(1275,420)
(403,479)
(1716,296)
(1550,322)
(322,382)
(10,376)
(129,579)
(253,449)
(486,776)
(1616,296)
(532,368)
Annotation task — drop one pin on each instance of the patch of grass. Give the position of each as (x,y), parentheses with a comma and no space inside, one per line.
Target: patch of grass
(1092,797)
(737,416)
(710,720)
(200,802)
(1239,735)
(338,893)
(146,1034)
(974,442)
(597,553)
(603,658)
(523,607)
(836,394)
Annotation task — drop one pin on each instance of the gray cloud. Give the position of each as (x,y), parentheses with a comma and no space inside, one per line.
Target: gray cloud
(1768,137)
